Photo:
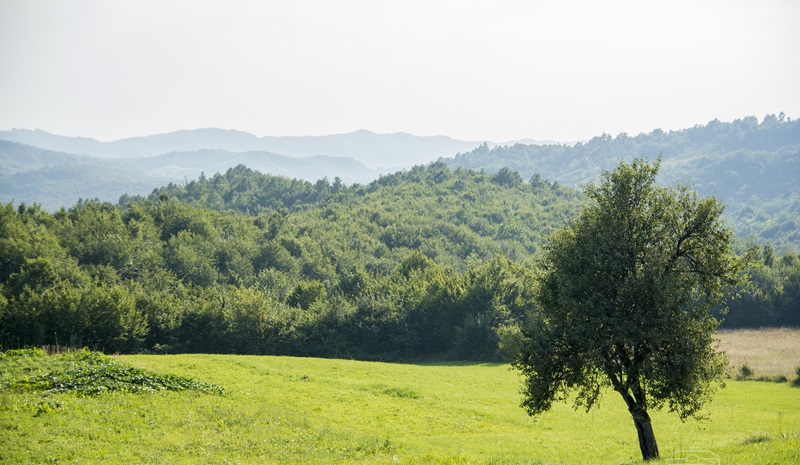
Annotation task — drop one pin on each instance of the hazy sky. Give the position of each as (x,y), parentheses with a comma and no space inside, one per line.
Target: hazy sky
(476,70)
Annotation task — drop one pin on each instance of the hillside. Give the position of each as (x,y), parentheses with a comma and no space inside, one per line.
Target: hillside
(52,179)
(752,167)
(19,158)
(422,263)
(444,214)
(417,264)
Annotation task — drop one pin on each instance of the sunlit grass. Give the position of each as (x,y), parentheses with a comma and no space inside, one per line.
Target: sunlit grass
(300,410)
(769,351)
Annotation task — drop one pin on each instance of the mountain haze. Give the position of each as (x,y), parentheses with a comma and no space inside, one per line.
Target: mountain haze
(752,166)
(387,151)
(55,179)
(19,158)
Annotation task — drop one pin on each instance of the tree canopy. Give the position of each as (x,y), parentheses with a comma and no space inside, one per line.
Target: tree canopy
(751,166)
(429,262)
(424,263)
(624,297)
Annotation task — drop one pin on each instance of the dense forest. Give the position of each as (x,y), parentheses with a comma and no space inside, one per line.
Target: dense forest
(425,263)
(752,166)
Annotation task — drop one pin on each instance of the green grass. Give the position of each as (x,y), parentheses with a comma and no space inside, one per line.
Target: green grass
(299,410)
(85,373)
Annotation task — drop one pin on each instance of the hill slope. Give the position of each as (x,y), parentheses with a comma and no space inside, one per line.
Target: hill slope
(752,167)
(418,264)
(422,263)
(54,179)
(19,158)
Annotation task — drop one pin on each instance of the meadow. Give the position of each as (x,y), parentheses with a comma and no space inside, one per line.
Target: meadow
(309,410)
(768,351)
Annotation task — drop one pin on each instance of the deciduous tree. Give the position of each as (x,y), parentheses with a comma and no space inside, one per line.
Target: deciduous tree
(624,298)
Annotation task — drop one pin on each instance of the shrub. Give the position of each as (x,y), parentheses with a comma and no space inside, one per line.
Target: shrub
(745,372)
(773,379)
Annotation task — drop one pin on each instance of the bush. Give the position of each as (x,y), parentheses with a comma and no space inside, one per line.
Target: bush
(745,372)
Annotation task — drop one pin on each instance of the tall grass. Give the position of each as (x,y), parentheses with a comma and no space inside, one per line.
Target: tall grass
(767,352)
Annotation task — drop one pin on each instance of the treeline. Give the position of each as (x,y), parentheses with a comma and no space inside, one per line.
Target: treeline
(427,263)
(752,166)
(770,295)
(424,263)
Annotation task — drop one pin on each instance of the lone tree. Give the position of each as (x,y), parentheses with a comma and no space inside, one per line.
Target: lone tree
(623,298)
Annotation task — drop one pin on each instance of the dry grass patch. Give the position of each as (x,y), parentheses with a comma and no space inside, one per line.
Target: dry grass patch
(768,352)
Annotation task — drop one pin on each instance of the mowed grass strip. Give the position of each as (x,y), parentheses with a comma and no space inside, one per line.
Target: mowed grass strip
(301,410)
(768,351)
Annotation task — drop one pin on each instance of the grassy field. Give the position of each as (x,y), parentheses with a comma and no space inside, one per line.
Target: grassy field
(299,410)
(769,352)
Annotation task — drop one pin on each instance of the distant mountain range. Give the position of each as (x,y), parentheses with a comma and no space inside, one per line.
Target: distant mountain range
(54,171)
(55,179)
(754,167)
(385,152)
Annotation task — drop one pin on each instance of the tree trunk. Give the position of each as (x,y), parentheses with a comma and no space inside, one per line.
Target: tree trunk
(647,439)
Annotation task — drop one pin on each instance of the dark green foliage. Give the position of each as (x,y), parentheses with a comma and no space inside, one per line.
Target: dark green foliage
(745,372)
(86,373)
(770,296)
(624,296)
(424,263)
(754,168)
(247,191)
(773,379)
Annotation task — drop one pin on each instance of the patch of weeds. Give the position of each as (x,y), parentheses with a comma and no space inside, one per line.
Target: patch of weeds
(88,373)
(18,353)
(773,379)
(402,392)
(47,407)
(375,446)
(757,439)
(745,372)
(796,381)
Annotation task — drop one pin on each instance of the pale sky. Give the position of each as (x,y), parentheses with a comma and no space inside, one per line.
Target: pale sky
(473,70)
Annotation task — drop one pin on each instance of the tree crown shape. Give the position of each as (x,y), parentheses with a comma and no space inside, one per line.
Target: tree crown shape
(624,298)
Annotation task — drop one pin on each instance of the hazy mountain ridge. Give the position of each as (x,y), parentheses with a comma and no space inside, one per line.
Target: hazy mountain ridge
(63,185)
(18,158)
(388,151)
(754,168)
(138,165)
(682,151)
(54,179)
(191,164)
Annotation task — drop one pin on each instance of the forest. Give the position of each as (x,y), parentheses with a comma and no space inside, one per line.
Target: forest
(427,263)
(752,166)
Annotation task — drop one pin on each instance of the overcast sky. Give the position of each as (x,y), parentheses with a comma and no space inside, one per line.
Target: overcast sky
(475,70)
